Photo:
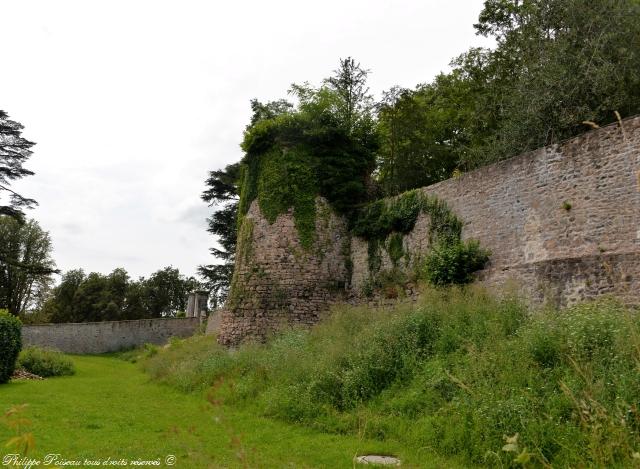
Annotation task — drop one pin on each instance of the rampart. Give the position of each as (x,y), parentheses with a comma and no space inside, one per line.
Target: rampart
(108,336)
(562,221)
(278,282)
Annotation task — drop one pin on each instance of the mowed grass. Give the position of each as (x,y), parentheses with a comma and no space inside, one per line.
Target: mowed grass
(111,409)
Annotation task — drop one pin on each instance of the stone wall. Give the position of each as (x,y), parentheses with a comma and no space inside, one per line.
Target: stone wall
(108,336)
(563,221)
(277,281)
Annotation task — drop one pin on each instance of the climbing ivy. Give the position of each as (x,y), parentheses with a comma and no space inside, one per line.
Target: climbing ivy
(385,222)
(293,157)
(286,180)
(395,247)
(399,214)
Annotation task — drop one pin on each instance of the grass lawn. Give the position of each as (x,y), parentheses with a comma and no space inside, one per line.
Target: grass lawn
(111,409)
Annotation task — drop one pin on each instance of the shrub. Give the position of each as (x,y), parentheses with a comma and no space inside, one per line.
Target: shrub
(454,263)
(45,362)
(10,344)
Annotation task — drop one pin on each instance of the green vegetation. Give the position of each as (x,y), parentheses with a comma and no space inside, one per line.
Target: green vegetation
(286,181)
(26,266)
(454,262)
(10,344)
(45,362)
(384,222)
(557,65)
(458,372)
(399,214)
(96,297)
(325,146)
(110,409)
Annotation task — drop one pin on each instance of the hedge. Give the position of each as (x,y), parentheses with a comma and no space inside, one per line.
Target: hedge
(10,344)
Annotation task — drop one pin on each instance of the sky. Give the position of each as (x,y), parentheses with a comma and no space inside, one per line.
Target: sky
(132,102)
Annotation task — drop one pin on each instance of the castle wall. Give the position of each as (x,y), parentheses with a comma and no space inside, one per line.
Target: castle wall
(277,281)
(519,209)
(562,221)
(107,336)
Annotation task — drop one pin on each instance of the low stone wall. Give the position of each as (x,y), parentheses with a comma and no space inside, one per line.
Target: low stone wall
(108,336)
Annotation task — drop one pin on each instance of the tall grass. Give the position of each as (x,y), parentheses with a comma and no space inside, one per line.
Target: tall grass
(462,372)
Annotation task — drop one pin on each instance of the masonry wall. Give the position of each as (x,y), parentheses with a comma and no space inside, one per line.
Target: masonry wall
(277,281)
(518,209)
(108,336)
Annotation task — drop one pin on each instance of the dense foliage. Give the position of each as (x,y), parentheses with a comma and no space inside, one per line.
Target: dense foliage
(10,344)
(557,64)
(97,297)
(384,222)
(325,146)
(26,265)
(383,217)
(45,362)
(454,262)
(458,373)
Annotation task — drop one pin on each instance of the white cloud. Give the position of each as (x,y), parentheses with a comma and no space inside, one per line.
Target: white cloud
(131,103)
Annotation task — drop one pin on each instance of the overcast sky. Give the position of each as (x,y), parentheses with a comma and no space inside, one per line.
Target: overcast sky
(132,102)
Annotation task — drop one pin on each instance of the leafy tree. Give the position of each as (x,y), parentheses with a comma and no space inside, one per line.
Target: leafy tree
(14,151)
(26,265)
(98,297)
(423,133)
(60,307)
(557,64)
(166,291)
(354,103)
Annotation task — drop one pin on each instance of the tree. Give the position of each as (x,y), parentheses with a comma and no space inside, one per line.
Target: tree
(222,193)
(422,134)
(165,292)
(349,82)
(26,265)
(558,64)
(113,297)
(14,151)
(335,125)
(60,307)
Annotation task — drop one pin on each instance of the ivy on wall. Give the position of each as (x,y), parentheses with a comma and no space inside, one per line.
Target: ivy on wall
(384,223)
(292,158)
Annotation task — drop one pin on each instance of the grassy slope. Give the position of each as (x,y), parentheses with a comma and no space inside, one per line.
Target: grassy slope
(456,373)
(111,409)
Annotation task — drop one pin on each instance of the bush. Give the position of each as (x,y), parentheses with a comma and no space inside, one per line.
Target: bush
(454,263)
(10,344)
(45,362)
